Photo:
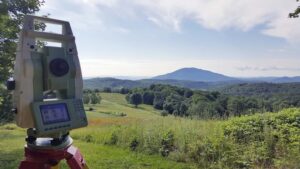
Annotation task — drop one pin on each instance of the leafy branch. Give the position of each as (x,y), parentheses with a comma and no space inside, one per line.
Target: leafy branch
(296,13)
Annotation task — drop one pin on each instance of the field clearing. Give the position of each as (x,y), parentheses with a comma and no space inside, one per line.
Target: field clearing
(97,155)
(122,136)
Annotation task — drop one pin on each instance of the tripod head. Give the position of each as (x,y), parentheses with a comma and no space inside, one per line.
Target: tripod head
(48,83)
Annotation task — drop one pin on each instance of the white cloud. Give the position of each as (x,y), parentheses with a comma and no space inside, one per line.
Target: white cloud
(223,14)
(121,30)
(212,14)
(83,15)
(284,28)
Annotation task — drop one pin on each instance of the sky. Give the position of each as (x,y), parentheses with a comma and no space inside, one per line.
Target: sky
(144,38)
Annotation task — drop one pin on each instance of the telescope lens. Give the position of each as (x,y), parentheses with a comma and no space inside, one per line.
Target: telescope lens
(59,67)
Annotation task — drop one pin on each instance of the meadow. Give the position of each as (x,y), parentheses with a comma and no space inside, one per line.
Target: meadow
(122,136)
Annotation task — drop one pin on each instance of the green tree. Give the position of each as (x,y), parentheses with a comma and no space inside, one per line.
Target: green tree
(136,99)
(95,98)
(107,90)
(148,98)
(172,104)
(236,106)
(158,101)
(86,98)
(97,91)
(5,106)
(124,90)
(296,13)
(188,93)
(202,109)
(11,15)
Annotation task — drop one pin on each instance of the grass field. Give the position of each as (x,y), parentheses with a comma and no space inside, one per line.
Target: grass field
(122,136)
(98,155)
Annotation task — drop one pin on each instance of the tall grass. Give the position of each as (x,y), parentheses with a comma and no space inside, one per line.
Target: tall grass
(258,141)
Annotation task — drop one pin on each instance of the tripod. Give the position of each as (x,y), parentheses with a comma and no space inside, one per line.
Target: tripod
(41,154)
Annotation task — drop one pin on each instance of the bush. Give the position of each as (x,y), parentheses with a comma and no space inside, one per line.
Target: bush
(113,140)
(122,114)
(252,128)
(134,144)
(107,90)
(273,136)
(164,113)
(88,138)
(167,144)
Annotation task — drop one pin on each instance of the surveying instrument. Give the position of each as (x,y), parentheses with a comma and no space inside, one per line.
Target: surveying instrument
(47,95)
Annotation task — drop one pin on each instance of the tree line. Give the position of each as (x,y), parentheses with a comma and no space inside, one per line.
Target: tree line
(11,15)
(91,97)
(205,104)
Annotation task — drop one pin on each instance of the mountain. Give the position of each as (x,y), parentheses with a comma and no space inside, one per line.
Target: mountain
(194,74)
(186,77)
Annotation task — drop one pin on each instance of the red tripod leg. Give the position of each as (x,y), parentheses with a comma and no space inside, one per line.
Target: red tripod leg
(49,158)
(33,164)
(28,164)
(40,159)
(75,159)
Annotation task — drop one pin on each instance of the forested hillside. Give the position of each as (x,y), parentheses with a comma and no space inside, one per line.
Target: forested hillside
(264,90)
(116,84)
(217,104)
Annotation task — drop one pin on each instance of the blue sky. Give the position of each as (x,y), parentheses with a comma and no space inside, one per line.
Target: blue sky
(243,38)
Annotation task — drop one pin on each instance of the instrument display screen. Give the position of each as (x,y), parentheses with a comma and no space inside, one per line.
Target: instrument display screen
(54,113)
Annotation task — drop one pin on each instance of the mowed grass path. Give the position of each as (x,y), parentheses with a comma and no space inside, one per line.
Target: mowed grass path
(98,155)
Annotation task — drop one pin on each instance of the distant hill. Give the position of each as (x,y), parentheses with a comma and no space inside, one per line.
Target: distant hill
(100,83)
(194,74)
(286,79)
(265,90)
(186,77)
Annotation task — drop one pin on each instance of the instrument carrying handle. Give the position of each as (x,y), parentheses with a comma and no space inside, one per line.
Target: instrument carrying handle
(29,29)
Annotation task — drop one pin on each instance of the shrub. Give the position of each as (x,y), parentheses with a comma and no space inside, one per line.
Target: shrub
(273,136)
(88,138)
(107,90)
(134,144)
(167,144)
(113,140)
(252,128)
(122,114)
(164,113)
